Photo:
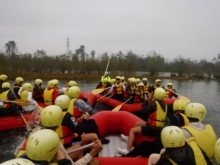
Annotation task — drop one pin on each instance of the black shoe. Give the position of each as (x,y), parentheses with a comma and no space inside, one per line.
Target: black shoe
(105,141)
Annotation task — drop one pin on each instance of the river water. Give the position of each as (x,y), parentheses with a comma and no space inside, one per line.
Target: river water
(206,92)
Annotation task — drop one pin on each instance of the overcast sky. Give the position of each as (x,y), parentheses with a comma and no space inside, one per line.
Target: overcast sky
(190,28)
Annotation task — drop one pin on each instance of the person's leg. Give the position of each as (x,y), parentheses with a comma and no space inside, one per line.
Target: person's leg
(137,124)
(75,155)
(88,138)
(132,133)
(153,159)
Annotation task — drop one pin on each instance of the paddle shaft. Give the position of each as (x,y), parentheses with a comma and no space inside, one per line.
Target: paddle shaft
(119,106)
(107,66)
(25,121)
(172,91)
(81,148)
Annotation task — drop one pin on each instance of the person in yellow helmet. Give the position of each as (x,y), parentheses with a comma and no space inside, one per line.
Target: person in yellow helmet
(50,93)
(139,94)
(122,80)
(7,108)
(156,112)
(147,87)
(18,83)
(204,135)
(130,90)
(38,91)
(156,85)
(3,78)
(104,84)
(44,147)
(137,81)
(170,91)
(118,89)
(106,76)
(178,150)
(71,83)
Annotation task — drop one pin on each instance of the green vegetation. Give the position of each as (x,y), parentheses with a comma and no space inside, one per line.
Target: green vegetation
(81,64)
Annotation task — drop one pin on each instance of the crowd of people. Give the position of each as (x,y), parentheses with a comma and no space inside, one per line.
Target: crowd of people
(65,124)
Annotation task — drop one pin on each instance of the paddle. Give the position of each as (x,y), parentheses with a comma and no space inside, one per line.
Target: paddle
(119,106)
(180,96)
(107,98)
(17,101)
(104,96)
(107,66)
(81,148)
(97,91)
(25,121)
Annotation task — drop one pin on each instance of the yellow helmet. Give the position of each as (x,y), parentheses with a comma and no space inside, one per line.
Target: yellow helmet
(144,79)
(27,87)
(63,101)
(196,110)
(38,81)
(138,80)
(72,83)
(18,80)
(73,92)
(129,79)
(112,81)
(56,82)
(51,83)
(117,77)
(170,84)
(172,137)
(42,145)
(3,77)
(140,85)
(6,85)
(51,116)
(157,80)
(122,78)
(217,150)
(179,105)
(105,80)
(132,80)
(159,94)
(18,161)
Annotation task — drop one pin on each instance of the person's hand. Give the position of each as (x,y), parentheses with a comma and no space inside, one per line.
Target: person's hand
(96,148)
(138,93)
(86,115)
(1,103)
(58,156)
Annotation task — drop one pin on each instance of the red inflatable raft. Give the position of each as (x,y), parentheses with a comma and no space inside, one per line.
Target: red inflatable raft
(119,123)
(126,107)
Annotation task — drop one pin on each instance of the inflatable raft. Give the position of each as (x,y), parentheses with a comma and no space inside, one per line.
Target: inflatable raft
(126,107)
(11,122)
(116,123)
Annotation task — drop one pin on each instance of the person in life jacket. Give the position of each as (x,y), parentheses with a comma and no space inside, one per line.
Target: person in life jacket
(118,89)
(38,91)
(137,81)
(139,94)
(25,93)
(18,83)
(217,151)
(104,84)
(3,78)
(56,87)
(18,162)
(204,135)
(178,150)
(130,91)
(147,88)
(179,118)
(106,76)
(43,147)
(50,94)
(71,83)
(156,111)
(122,80)
(156,85)
(7,108)
(170,91)
(87,129)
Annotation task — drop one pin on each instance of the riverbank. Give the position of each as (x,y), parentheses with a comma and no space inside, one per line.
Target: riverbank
(77,76)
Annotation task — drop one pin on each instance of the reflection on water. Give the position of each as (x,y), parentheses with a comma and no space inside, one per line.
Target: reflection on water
(205,92)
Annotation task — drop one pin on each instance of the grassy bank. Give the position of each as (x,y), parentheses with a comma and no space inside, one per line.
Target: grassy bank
(48,76)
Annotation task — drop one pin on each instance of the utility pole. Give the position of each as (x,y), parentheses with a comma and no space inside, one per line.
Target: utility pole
(67,47)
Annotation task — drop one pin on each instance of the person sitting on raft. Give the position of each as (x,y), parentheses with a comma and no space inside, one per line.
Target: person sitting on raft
(156,85)
(106,76)
(130,91)
(18,84)
(71,83)
(139,94)
(7,108)
(170,91)
(118,89)
(50,94)
(3,78)
(36,149)
(156,111)
(147,88)
(104,84)
(178,150)
(38,91)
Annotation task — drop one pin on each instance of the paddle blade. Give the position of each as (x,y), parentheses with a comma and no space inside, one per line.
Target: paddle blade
(184,98)
(97,91)
(20,102)
(117,108)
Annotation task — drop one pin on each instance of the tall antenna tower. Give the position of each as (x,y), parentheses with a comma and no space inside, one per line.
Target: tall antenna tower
(67,46)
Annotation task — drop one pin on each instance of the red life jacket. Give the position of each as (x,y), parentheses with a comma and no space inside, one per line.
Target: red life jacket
(118,89)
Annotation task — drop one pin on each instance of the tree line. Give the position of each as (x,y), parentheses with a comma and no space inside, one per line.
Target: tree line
(88,63)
